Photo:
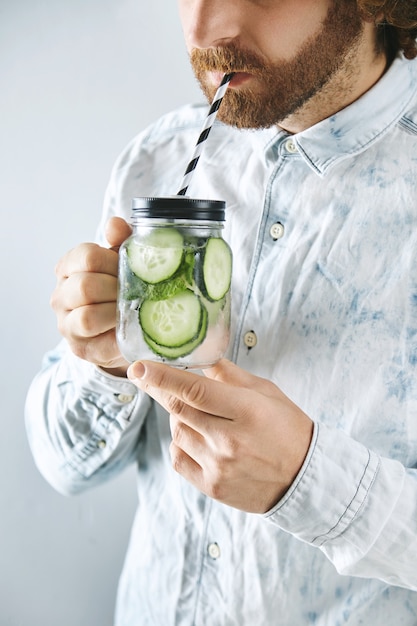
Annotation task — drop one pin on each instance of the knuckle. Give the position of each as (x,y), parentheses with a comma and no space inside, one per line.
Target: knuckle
(63,324)
(175,406)
(93,257)
(177,432)
(218,475)
(85,287)
(196,393)
(87,321)
(215,488)
(231,447)
(61,266)
(222,470)
(177,458)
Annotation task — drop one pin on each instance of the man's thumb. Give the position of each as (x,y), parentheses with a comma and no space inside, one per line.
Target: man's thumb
(117,230)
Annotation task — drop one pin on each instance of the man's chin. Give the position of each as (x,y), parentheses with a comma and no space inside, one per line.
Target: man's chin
(244,122)
(245,111)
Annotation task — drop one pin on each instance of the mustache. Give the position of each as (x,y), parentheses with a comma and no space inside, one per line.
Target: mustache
(226,59)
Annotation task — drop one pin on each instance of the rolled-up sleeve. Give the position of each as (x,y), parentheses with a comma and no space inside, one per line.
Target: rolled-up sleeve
(83,424)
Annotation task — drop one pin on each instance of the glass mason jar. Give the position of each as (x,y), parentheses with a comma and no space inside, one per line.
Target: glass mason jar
(175,273)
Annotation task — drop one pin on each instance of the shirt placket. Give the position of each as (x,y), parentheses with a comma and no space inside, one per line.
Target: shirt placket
(272,236)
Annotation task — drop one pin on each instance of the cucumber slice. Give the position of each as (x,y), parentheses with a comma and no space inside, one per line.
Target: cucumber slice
(217,269)
(158,256)
(174,321)
(172,353)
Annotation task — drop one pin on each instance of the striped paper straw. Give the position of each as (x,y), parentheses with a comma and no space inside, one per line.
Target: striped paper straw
(211,116)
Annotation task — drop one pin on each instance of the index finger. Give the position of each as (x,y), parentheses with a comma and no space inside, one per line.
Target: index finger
(207,395)
(88,257)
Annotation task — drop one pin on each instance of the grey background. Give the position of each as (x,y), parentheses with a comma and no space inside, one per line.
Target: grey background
(78,79)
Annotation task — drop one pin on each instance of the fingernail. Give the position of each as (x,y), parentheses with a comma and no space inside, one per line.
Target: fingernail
(136,370)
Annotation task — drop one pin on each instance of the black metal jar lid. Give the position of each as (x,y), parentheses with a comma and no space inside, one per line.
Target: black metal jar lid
(179,207)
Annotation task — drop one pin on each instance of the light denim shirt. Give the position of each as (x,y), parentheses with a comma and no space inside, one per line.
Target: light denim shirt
(323,227)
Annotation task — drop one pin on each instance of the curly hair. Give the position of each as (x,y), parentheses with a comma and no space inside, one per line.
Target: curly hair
(397,22)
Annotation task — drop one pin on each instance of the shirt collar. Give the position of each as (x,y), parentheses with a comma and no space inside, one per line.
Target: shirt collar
(355,128)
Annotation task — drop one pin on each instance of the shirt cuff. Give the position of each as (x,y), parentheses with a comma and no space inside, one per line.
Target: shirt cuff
(114,396)
(330,488)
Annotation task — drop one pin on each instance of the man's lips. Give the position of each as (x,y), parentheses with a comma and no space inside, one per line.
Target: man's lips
(239,78)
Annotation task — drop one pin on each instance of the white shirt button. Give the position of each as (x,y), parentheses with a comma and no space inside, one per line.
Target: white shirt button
(290,146)
(250,339)
(101,444)
(124,397)
(277,231)
(213,550)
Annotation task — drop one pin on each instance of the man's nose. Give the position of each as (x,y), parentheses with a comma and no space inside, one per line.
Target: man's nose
(210,23)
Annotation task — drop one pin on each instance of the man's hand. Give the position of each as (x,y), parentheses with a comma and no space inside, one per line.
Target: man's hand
(235,436)
(84,299)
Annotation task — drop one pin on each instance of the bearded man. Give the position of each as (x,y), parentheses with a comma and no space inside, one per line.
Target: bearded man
(278,487)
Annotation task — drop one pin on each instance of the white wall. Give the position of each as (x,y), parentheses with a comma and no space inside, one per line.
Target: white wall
(78,78)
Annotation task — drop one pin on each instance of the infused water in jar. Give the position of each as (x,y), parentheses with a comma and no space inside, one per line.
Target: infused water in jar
(175,275)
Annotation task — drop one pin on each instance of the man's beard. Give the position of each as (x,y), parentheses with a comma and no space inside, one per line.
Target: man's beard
(281,88)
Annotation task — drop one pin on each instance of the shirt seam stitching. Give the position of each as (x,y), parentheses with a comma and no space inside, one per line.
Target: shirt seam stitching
(321,539)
